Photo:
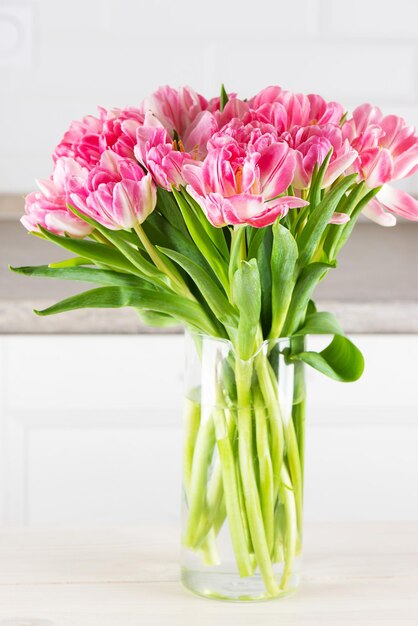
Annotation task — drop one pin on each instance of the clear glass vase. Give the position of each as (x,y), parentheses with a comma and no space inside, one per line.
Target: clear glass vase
(242,470)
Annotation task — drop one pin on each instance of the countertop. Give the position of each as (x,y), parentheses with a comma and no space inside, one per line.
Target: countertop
(353,575)
(374,289)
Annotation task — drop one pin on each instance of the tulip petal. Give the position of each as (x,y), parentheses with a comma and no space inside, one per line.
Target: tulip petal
(193,175)
(376,212)
(246,205)
(399,202)
(291,202)
(376,167)
(63,222)
(338,166)
(339,218)
(277,166)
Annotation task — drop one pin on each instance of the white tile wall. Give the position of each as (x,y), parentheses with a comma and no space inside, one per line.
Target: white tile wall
(75,55)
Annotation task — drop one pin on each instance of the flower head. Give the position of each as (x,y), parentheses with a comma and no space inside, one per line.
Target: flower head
(312,144)
(387,150)
(299,109)
(175,109)
(243,177)
(161,156)
(48,207)
(86,140)
(117,193)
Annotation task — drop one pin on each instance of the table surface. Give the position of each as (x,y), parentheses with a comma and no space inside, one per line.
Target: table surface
(353,574)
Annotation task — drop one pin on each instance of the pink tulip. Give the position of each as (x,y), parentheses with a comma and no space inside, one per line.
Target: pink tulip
(48,208)
(234,109)
(244,135)
(175,109)
(87,139)
(388,149)
(300,110)
(117,193)
(237,187)
(161,156)
(311,145)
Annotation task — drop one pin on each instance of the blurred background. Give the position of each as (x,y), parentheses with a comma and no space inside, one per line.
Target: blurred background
(90,403)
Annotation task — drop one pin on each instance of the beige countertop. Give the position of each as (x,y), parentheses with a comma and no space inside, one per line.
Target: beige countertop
(352,575)
(374,289)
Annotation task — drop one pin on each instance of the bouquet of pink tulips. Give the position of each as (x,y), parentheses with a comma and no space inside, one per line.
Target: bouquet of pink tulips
(223,215)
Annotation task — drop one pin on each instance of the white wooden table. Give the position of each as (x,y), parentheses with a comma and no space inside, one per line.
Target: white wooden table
(364,574)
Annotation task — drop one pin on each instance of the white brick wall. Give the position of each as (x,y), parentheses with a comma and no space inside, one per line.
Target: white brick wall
(78,54)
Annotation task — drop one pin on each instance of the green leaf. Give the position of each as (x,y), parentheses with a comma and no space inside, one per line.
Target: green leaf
(168,207)
(318,220)
(186,311)
(317,179)
(209,289)
(224,98)
(203,241)
(348,228)
(238,250)
(216,234)
(129,252)
(158,320)
(334,232)
(73,262)
(320,323)
(341,359)
(310,276)
(311,308)
(84,274)
(96,252)
(246,291)
(255,238)
(162,233)
(264,267)
(284,256)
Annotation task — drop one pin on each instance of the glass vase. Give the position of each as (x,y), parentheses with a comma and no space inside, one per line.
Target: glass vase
(242,470)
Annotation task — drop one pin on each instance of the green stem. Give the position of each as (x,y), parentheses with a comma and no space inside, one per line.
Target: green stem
(191,423)
(298,410)
(232,503)
(292,456)
(293,460)
(214,501)
(203,452)
(279,533)
(163,265)
(290,527)
(266,473)
(269,392)
(249,483)
(268,385)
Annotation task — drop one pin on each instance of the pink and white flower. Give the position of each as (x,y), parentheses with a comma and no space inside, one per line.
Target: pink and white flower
(387,150)
(312,144)
(300,109)
(48,207)
(117,193)
(234,186)
(157,152)
(175,109)
(86,140)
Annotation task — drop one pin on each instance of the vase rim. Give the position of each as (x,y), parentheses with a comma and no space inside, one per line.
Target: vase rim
(283,342)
